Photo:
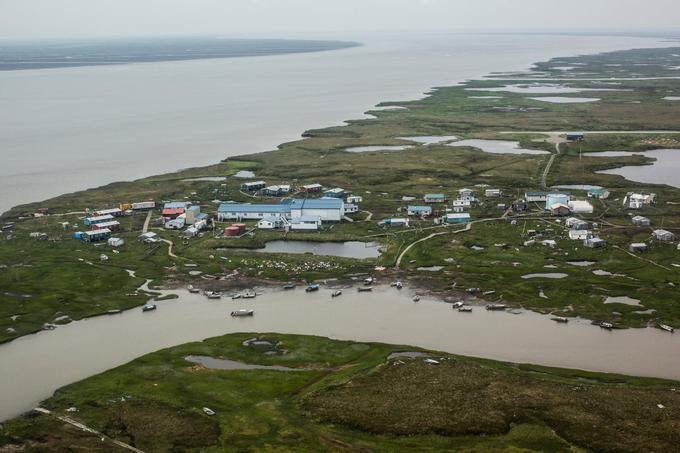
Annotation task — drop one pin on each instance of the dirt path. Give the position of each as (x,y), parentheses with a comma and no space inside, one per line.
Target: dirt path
(546,171)
(368,217)
(145,228)
(427,238)
(170,244)
(643,259)
(87,429)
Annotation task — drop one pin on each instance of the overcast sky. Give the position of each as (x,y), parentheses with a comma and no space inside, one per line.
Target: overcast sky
(28,19)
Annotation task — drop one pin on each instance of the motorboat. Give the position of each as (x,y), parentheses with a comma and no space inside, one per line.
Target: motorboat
(249,295)
(465,309)
(457,304)
(208,411)
(213,294)
(496,307)
(149,307)
(365,289)
(561,319)
(312,288)
(606,325)
(242,312)
(666,327)
(193,290)
(289,286)
(336,293)
(236,296)
(369,281)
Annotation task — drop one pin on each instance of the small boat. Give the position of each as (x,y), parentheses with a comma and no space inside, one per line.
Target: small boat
(336,293)
(249,295)
(560,319)
(208,411)
(431,362)
(416,298)
(457,304)
(311,288)
(365,289)
(397,285)
(242,312)
(193,290)
(606,325)
(369,281)
(488,293)
(465,309)
(473,290)
(236,296)
(289,286)
(149,307)
(666,327)
(114,312)
(496,307)
(213,294)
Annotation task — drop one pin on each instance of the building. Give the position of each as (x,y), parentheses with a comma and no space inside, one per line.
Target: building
(638,220)
(351,208)
(663,235)
(113,225)
(575,136)
(89,221)
(519,205)
(419,211)
(244,211)
(577,224)
(556,198)
(638,247)
(559,210)
(337,192)
(253,186)
(435,198)
(143,205)
(458,209)
(311,188)
(149,237)
(458,203)
(328,209)
(191,214)
(640,200)
(95,235)
(115,212)
(463,217)
(172,213)
(580,207)
(467,195)
(356,199)
(536,197)
(305,223)
(394,222)
(594,243)
(492,193)
(116,242)
(599,193)
(176,205)
(175,224)
(579,235)
(275,191)
(272,223)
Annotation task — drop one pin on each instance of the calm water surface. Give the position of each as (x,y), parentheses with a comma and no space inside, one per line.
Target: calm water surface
(497,146)
(664,170)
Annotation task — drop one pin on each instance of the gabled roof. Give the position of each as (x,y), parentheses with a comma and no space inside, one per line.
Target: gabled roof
(419,208)
(269,208)
(316,203)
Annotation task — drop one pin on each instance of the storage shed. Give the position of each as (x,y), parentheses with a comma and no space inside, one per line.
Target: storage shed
(594,243)
(639,220)
(663,235)
(638,247)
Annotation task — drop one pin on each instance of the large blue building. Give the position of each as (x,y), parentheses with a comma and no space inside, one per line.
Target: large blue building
(328,209)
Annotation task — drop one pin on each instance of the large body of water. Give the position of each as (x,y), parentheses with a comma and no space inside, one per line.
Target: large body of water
(67,129)
(34,366)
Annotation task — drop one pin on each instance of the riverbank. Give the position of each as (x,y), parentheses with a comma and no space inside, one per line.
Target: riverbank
(334,394)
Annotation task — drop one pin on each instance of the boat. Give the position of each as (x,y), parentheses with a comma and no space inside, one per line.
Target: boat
(369,281)
(666,327)
(473,290)
(311,288)
(149,307)
(496,307)
(249,295)
(606,325)
(192,289)
(208,411)
(289,286)
(365,289)
(457,304)
(560,319)
(431,362)
(213,294)
(397,285)
(336,293)
(242,312)
(416,298)
(488,293)
(114,312)
(236,296)
(465,309)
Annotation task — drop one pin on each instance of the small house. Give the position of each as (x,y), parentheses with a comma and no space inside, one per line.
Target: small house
(638,220)
(575,136)
(351,208)
(492,193)
(311,188)
(458,209)
(89,221)
(594,243)
(536,197)
(637,247)
(419,211)
(580,207)
(143,205)
(577,224)
(271,223)
(275,191)
(116,242)
(556,198)
(579,235)
(559,210)
(190,232)
(336,192)
(149,237)
(175,224)
(663,235)
(253,186)
(462,217)
(356,199)
(112,225)
(95,235)
(598,192)
(467,195)
(115,212)
(305,223)
(435,198)
(399,222)
(461,203)
(519,206)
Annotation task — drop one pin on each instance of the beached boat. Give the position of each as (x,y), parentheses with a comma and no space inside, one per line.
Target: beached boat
(289,286)
(249,295)
(416,298)
(336,293)
(236,296)
(213,294)
(495,307)
(465,309)
(242,312)
(397,285)
(431,362)
(208,411)
(149,307)
(193,290)
(473,290)
(457,304)
(606,325)
(560,319)
(369,281)
(488,293)
(311,288)
(114,312)
(365,289)
(666,327)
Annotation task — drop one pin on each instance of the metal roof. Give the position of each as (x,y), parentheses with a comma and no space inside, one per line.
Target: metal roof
(419,208)
(268,208)
(316,203)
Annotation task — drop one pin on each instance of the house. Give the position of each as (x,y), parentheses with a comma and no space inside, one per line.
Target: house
(577,224)
(492,193)
(575,136)
(519,206)
(175,224)
(112,225)
(598,192)
(244,211)
(253,186)
(176,205)
(190,232)
(461,203)
(116,242)
(394,222)
(351,208)
(639,200)
(579,235)
(638,220)
(463,217)
(435,198)
(149,237)
(580,207)
(272,223)
(467,195)
(191,214)
(95,235)
(420,211)
(172,213)
(556,198)
(305,223)
(356,199)
(115,212)
(311,188)
(638,247)
(89,221)
(275,191)
(663,235)
(329,209)
(594,243)
(536,197)
(458,209)
(334,193)
(142,205)
(501,206)
(559,210)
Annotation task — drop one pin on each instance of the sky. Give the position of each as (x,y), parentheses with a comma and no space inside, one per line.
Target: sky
(57,19)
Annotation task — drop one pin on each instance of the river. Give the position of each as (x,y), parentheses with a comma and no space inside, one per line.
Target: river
(67,129)
(34,366)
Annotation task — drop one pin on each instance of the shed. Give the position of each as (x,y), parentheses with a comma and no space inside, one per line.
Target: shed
(559,209)
(492,193)
(663,235)
(575,136)
(638,247)
(639,220)
(148,237)
(579,235)
(336,192)
(594,243)
(356,199)
(434,198)
(394,222)
(271,223)
(519,205)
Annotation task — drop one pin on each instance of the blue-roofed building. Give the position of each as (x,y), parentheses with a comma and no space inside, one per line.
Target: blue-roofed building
(242,211)
(335,193)
(434,198)
(556,198)
(328,209)
(420,211)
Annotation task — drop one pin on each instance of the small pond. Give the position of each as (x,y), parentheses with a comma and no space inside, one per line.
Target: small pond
(576,186)
(581,263)
(244,174)
(206,179)
(621,300)
(365,149)
(664,170)
(553,275)
(349,249)
(406,355)
(430,139)
(565,100)
(224,364)
(497,146)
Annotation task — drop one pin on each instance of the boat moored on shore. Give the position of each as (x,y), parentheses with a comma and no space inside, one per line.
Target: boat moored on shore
(242,313)
(149,307)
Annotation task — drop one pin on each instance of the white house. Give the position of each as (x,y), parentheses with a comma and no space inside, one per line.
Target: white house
(580,207)
(461,203)
(579,235)
(663,235)
(492,193)
(272,223)
(351,208)
(354,199)
(639,200)
(116,242)
(466,195)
